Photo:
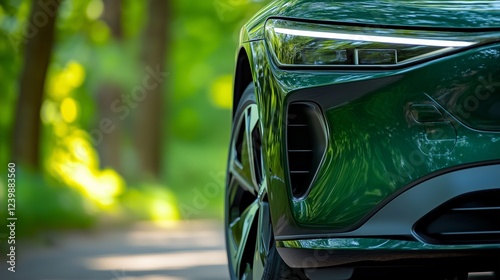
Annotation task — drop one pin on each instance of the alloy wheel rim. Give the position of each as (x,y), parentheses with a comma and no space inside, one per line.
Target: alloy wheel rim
(248,230)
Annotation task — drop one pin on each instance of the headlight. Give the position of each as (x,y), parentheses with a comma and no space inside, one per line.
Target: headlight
(294,43)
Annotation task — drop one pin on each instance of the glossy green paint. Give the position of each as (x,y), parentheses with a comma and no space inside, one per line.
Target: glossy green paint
(378,144)
(367,244)
(430,13)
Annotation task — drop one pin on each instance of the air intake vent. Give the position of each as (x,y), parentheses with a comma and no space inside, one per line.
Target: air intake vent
(472,218)
(306,142)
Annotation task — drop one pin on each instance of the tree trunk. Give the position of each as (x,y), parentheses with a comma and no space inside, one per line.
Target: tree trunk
(38,39)
(150,111)
(110,147)
(113,17)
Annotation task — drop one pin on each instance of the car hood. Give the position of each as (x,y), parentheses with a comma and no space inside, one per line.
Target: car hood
(427,13)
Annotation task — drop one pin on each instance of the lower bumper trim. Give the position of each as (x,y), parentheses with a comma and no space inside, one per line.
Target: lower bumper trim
(315,253)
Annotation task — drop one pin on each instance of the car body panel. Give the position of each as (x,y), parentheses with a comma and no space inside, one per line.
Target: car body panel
(398,216)
(389,130)
(376,146)
(431,14)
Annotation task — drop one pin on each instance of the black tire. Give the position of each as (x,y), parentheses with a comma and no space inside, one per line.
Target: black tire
(276,268)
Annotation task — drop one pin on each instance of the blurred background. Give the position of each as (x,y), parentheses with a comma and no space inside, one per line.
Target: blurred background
(117,115)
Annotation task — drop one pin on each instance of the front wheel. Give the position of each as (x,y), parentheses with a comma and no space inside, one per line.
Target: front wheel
(249,237)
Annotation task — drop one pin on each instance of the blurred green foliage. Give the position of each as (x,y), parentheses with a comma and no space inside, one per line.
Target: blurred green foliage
(72,189)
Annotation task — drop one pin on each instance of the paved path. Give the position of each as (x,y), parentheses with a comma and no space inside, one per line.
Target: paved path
(178,251)
(181,251)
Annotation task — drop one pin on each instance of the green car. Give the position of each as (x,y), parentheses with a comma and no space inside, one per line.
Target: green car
(366,142)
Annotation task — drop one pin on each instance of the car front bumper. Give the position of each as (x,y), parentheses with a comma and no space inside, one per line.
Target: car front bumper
(390,233)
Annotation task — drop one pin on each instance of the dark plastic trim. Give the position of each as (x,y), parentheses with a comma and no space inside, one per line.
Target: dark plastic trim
(321,134)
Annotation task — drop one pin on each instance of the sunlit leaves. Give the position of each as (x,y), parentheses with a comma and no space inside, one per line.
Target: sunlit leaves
(71,157)
(62,83)
(13,18)
(154,202)
(200,55)
(74,162)
(204,42)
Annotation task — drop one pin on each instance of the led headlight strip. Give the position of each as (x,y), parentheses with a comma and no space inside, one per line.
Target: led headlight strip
(295,43)
(379,39)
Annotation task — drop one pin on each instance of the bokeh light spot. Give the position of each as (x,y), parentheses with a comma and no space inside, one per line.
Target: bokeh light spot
(58,86)
(94,9)
(75,74)
(69,110)
(221,92)
(162,210)
(49,112)
(111,183)
(60,129)
(64,81)
(99,32)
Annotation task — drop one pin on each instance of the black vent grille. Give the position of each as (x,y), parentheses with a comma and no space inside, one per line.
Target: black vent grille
(305,144)
(471,218)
